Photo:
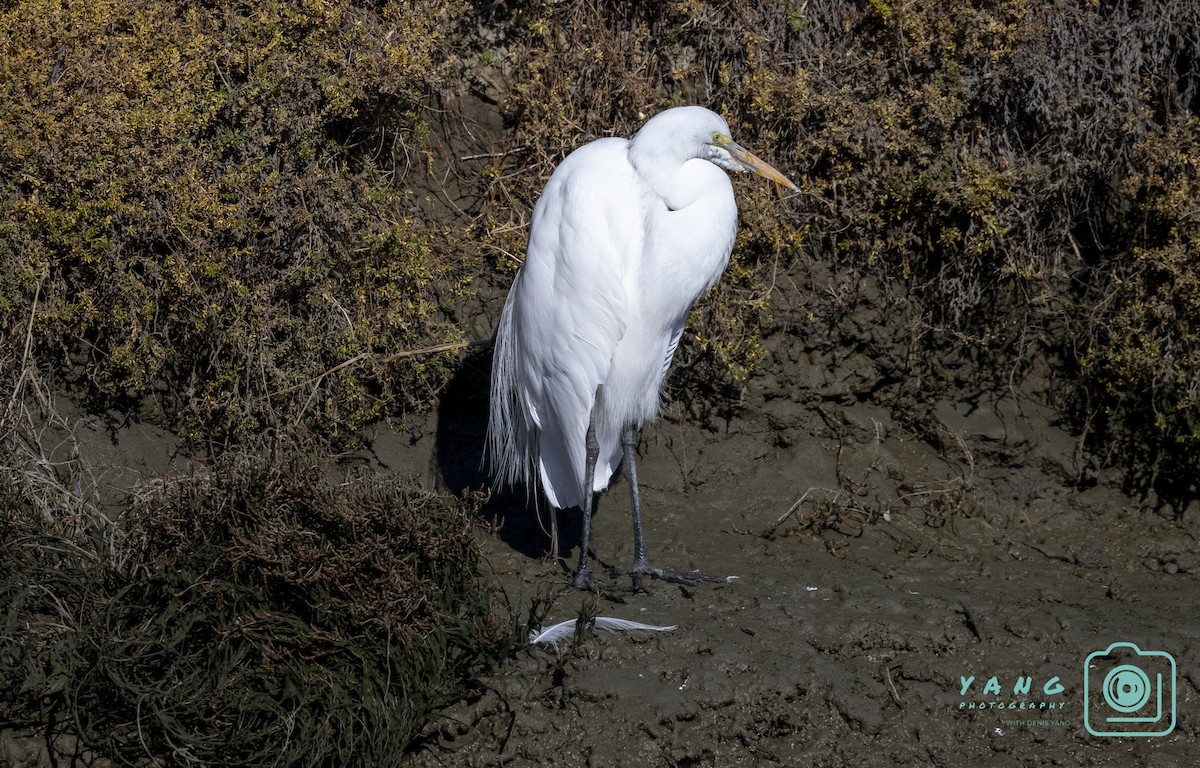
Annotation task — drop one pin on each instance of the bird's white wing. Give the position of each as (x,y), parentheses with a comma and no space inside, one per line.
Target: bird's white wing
(587,232)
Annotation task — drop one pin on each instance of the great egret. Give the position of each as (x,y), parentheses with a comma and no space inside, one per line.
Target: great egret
(626,236)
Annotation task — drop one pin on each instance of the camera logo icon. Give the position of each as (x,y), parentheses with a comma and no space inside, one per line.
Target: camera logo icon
(1129,692)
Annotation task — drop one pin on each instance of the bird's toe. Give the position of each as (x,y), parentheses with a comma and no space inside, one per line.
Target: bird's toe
(689,578)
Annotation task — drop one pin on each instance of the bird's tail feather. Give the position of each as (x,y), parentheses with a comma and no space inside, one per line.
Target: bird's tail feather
(510,451)
(510,436)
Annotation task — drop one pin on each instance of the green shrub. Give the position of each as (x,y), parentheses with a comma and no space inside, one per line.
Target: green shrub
(1141,365)
(198,199)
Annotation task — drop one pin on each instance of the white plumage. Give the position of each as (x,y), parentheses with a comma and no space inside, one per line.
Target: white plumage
(624,239)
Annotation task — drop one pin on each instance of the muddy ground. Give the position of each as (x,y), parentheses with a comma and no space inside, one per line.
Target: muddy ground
(870,564)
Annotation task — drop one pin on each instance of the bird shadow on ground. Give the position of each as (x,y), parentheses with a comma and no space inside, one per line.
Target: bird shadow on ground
(460,461)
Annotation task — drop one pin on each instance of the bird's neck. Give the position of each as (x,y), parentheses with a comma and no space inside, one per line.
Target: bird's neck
(660,167)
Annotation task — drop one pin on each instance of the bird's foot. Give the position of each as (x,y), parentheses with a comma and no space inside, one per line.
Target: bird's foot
(689,579)
(586,582)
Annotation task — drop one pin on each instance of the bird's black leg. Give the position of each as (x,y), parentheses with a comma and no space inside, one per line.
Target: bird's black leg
(583,575)
(641,564)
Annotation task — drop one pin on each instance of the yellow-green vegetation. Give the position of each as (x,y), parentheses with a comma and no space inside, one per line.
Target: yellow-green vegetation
(252,614)
(1028,169)
(201,200)
(1143,351)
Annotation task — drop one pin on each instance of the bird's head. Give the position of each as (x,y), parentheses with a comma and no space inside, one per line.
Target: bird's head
(669,139)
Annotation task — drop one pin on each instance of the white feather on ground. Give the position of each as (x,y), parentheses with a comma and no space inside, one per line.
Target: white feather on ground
(564,629)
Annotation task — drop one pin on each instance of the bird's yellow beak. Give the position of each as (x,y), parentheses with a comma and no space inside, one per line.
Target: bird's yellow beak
(752,162)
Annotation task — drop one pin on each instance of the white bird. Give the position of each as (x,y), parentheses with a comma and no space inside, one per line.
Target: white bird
(626,236)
